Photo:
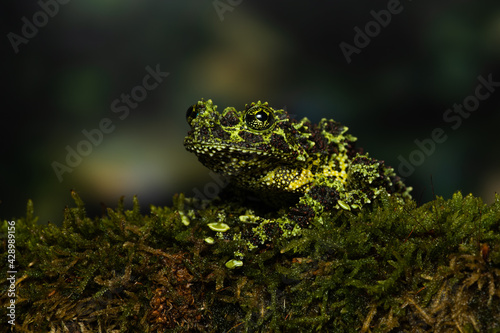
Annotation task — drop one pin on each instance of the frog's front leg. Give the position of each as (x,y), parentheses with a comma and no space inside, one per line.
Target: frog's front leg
(318,199)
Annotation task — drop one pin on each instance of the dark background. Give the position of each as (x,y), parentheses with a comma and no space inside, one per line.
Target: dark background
(396,90)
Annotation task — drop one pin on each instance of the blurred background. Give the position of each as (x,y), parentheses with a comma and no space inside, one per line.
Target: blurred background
(69,65)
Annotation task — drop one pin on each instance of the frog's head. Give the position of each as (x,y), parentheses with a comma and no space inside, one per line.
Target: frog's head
(253,140)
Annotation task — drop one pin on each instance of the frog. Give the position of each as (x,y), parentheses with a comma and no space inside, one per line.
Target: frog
(298,168)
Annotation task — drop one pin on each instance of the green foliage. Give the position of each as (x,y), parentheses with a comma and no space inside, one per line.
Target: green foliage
(391,267)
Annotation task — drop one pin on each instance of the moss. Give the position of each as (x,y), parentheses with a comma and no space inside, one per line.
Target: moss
(390,268)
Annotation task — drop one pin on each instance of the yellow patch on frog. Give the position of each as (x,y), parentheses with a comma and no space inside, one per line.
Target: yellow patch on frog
(304,178)
(337,168)
(289,180)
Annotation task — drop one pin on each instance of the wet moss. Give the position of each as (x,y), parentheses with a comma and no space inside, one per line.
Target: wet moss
(390,268)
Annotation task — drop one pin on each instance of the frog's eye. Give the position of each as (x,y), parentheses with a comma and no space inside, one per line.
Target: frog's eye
(192,112)
(259,118)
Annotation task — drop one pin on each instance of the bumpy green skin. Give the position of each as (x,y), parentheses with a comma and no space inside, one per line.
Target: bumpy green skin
(283,161)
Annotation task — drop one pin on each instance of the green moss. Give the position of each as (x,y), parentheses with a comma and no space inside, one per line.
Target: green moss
(390,268)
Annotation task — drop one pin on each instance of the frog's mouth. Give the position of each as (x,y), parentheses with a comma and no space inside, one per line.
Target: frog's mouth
(230,160)
(222,149)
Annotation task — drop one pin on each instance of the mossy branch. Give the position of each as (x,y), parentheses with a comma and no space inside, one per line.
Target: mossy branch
(391,266)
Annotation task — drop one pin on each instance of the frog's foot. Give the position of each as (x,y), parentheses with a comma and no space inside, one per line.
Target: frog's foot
(260,231)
